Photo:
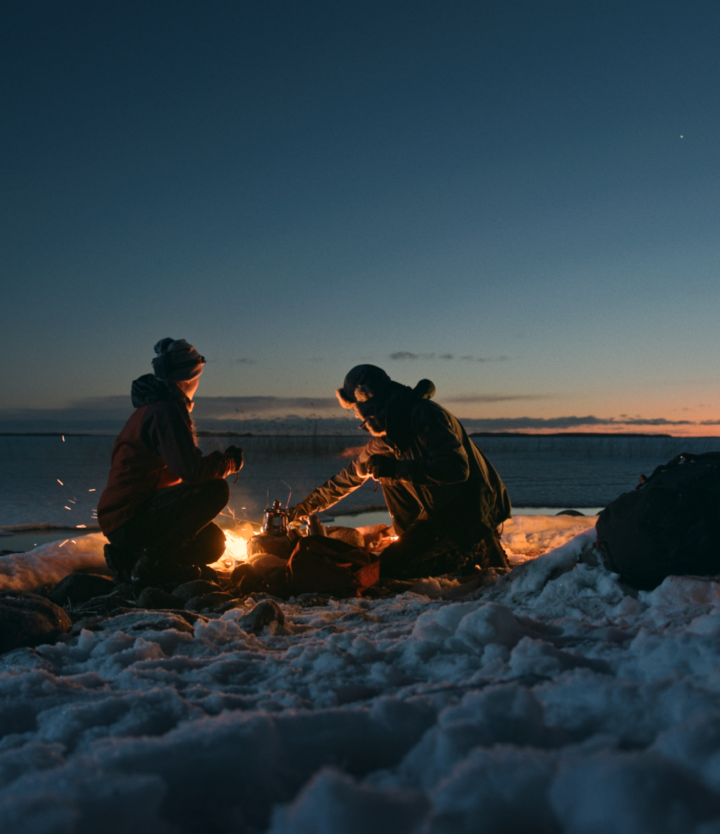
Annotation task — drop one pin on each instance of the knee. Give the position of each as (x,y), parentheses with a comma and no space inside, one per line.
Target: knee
(215,542)
(217,493)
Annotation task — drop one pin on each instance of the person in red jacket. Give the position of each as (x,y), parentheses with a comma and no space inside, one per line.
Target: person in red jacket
(162,494)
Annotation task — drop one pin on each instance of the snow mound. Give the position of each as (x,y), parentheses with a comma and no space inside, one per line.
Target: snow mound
(51,562)
(556,700)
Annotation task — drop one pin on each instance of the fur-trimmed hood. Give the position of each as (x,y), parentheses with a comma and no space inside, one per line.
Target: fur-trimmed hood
(148,389)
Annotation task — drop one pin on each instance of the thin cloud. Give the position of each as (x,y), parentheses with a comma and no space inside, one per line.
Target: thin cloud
(494,398)
(569,422)
(402,355)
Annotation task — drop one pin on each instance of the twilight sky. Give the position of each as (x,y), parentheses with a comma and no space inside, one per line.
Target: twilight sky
(517,199)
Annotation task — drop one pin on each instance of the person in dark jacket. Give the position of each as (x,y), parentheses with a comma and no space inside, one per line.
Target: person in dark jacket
(162,494)
(444,497)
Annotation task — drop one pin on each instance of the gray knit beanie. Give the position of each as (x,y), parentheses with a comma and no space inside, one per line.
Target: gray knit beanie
(176,360)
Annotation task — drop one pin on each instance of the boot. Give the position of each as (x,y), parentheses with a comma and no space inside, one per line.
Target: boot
(120,562)
(155,571)
(495,556)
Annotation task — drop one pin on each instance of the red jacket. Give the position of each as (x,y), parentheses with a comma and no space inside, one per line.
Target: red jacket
(156,449)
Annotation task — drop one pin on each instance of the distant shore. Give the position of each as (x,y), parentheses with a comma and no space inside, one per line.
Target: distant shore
(202,433)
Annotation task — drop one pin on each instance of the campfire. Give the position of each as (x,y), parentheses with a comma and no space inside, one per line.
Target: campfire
(246,541)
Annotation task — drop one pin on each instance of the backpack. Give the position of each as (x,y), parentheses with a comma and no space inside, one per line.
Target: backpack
(319,564)
(668,525)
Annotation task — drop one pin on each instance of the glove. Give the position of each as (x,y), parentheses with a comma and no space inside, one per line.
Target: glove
(299,511)
(236,456)
(381,466)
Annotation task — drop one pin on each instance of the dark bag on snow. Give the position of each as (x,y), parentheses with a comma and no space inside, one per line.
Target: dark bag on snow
(667,526)
(323,565)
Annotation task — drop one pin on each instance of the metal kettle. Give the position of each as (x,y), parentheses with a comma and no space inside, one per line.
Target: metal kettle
(275,520)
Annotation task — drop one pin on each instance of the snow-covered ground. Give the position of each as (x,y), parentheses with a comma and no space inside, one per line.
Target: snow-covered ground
(557,700)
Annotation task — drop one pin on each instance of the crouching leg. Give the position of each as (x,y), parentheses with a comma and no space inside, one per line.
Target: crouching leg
(172,535)
(424,549)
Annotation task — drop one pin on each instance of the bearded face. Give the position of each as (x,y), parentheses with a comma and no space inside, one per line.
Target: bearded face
(366,408)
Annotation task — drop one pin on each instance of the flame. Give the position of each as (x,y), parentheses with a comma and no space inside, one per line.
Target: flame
(235,546)
(235,552)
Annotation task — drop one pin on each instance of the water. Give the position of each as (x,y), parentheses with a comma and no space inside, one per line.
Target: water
(539,472)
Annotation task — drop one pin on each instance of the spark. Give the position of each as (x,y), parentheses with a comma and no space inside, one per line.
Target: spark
(63,438)
(67,508)
(91,490)
(64,543)
(80,525)
(60,482)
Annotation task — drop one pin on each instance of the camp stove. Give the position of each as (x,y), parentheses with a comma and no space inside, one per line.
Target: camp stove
(275,520)
(276,536)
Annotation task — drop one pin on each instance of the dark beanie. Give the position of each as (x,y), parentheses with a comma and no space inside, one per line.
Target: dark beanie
(176,361)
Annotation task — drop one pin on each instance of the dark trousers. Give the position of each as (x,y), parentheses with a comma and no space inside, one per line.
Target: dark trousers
(452,540)
(177,523)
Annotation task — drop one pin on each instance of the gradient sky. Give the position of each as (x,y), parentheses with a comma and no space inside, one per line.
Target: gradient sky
(518,200)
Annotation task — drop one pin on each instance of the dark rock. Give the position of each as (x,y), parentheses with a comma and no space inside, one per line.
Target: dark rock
(79,588)
(157,598)
(136,621)
(28,619)
(262,615)
(127,592)
(386,587)
(245,580)
(229,606)
(122,599)
(44,590)
(197,588)
(208,601)
(24,659)
(209,574)
(104,606)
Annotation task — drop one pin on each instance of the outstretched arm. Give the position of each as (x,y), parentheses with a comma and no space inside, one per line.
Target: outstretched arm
(346,481)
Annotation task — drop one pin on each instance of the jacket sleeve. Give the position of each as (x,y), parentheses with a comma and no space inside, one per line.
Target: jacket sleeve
(168,433)
(444,459)
(346,481)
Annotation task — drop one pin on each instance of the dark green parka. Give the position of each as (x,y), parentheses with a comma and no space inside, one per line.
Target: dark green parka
(450,478)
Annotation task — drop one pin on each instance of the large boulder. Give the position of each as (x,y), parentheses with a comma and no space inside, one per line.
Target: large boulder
(28,619)
(267,613)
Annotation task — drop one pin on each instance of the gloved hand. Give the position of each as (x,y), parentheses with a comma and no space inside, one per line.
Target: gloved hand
(299,511)
(381,466)
(236,455)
